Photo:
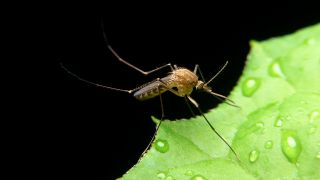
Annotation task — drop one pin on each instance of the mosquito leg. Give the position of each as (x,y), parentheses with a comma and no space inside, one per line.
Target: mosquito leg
(95,84)
(213,129)
(196,68)
(134,67)
(162,113)
(127,63)
(157,127)
(221,97)
(188,104)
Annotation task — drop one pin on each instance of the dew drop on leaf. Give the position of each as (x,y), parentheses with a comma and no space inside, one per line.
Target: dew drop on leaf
(162,145)
(169,178)
(198,177)
(254,155)
(260,124)
(250,86)
(278,122)
(275,70)
(290,145)
(288,118)
(310,41)
(312,130)
(161,175)
(189,173)
(268,144)
(313,116)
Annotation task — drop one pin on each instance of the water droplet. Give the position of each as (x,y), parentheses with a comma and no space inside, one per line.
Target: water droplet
(268,144)
(290,145)
(250,86)
(254,155)
(303,102)
(198,177)
(311,41)
(260,124)
(278,122)
(162,145)
(313,116)
(318,155)
(169,178)
(189,173)
(288,117)
(275,70)
(312,130)
(161,175)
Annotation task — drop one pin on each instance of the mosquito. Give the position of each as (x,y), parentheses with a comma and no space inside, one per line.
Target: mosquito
(180,81)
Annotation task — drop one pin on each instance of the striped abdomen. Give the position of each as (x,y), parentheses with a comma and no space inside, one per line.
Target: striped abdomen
(152,90)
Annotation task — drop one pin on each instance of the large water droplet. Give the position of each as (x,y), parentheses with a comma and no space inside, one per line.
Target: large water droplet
(250,86)
(161,175)
(198,177)
(162,145)
(275,70)
(290,145)
(268,144)
(260,124)
(278,122)
(254,155)
(189,173)
(313,116)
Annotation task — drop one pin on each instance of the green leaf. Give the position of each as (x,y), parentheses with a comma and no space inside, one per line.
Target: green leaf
(276,132)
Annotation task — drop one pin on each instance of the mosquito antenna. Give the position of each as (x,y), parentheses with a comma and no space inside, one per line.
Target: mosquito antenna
(92,83)
(224,66)
(212,128)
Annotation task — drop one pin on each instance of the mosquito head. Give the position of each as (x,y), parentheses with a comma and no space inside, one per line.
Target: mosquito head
(202,86)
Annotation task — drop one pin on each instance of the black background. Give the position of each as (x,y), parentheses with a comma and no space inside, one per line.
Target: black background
(99,133)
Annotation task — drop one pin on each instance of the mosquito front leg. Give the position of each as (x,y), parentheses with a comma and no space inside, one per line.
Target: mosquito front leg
(212,128)
(190,108)
(197,68)
(134,67)
(127,63)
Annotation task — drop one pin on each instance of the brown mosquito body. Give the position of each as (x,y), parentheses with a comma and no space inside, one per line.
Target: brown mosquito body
(183,80)
(180,81)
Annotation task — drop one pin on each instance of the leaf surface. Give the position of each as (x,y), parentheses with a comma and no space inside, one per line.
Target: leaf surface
(276,132)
